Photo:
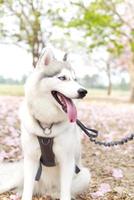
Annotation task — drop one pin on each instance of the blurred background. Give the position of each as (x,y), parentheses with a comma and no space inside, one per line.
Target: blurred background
(98,34)
(99,38)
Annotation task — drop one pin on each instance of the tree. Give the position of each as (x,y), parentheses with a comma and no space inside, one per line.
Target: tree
(31,24)
(26,30)
(106,26)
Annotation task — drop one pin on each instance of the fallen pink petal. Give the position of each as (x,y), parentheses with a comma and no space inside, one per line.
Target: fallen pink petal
(14,197)
(117,173)
(102,190)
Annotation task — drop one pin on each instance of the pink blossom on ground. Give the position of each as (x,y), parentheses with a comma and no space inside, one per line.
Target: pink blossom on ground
(117,173)
(103,189)
(11,141)
(3,155)
(14,197)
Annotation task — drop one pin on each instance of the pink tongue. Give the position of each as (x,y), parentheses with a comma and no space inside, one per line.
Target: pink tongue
(71,110)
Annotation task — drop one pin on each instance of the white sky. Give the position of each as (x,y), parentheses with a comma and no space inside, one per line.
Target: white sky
(14,61)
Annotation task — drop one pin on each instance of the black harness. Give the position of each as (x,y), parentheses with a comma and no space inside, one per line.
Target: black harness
(47,155)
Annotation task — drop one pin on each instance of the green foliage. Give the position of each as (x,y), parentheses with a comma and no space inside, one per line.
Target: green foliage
(27,18)
(102,24)
(132,32)
(132,46)
(1,2)
(11,81)
(117,48)
(76,23)
(94,82)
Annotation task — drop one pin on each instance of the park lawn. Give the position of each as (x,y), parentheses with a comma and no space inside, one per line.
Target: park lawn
(93,94)
(100,95)
(11,90)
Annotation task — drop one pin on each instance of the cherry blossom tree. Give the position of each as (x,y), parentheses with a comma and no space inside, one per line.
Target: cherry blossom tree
(109,24)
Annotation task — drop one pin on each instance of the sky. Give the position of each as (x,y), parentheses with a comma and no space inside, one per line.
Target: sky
(15,62)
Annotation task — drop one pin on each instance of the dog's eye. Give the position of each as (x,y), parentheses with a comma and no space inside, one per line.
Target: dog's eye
(62,78)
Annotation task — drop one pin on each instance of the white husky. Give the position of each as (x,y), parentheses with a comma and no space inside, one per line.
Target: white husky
(48,111)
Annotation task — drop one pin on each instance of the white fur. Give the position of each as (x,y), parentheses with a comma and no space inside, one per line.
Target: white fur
(59,181)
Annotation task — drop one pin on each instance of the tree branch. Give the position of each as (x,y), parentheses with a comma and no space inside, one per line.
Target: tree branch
(81,5)
(119,16)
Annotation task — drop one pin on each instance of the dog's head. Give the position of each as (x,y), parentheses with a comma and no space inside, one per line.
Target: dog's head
(56,81)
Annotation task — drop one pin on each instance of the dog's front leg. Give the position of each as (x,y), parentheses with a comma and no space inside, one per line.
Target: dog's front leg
(66,176)
(30,169)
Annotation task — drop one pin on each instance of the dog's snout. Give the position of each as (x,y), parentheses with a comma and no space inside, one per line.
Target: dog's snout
(82,92)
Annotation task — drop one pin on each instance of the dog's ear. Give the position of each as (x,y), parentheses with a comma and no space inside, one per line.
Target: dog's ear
(48,56)
(45,58)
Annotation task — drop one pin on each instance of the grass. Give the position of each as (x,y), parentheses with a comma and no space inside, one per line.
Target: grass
(93,94)
(103,92)
(101,95)
(11,90)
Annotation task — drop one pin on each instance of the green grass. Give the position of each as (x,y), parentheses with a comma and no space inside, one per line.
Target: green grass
(93,94)
(11,90)
(101,94)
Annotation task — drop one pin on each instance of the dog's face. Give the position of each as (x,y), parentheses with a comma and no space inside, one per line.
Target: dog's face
(56,81)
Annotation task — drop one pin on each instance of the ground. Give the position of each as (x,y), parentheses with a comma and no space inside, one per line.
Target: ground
(112,169)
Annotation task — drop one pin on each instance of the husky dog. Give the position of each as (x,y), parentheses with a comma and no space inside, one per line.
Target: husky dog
(48,111)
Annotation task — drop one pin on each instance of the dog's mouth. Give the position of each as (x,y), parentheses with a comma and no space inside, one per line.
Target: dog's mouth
(67,105)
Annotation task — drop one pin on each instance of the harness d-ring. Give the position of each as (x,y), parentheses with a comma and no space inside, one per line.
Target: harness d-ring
(45,141)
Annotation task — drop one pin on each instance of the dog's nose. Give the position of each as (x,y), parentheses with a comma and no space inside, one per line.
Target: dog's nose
(82,92)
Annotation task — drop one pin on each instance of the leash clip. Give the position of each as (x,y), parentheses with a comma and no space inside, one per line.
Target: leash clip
(91,133)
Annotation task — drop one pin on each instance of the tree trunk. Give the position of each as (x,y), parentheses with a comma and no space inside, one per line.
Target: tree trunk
(109,89)
(132,85)
(36,50)
(35,59)
(132,95)
(131,73)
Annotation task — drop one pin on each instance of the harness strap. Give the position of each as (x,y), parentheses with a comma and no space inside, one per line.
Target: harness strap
(39,171)
(47,156)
